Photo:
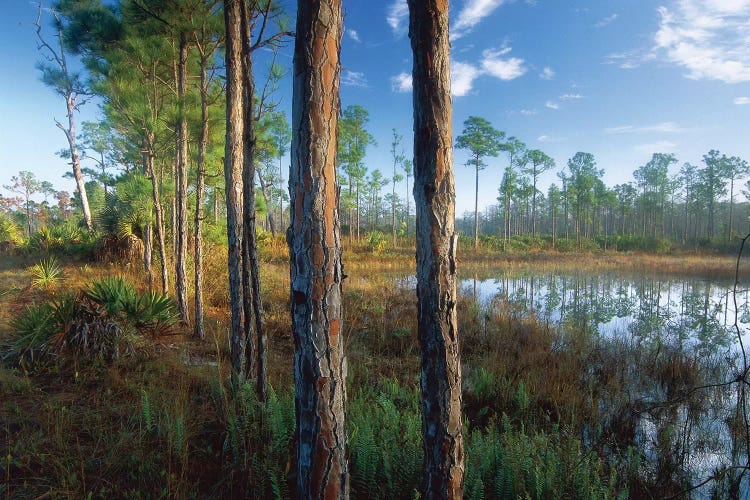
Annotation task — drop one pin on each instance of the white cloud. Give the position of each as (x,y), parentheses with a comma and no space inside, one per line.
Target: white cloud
(664,127)
(529,112)
(401,83)
(472,14)
(503,68)
(629,60)
(570,97)
(547,73)
(552,105)
(353,35)
(709,38)
(549,138)
(462,77)
(657,147)
(607,20)
(741,101)
(397,15)
(353,79)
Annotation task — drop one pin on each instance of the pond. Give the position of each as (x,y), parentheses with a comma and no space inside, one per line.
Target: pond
(677,341)
(696,313)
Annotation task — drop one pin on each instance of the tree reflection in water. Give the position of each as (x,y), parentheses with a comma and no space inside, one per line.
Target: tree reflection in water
(668,351)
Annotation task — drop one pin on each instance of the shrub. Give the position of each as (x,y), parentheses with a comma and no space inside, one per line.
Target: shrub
(100,322)
(120,299)
(377,242)
(45,274)
(11,235)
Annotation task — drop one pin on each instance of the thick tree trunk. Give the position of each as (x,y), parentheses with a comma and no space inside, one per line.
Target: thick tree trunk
(233,162)
(434,194)
(315,255)
(180,229)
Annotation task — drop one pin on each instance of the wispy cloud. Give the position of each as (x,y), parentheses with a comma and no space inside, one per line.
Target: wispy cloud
(657,147)
(505,68)
(353,35)
(664,127)
(401,83)
(709,38)
(552,105)
(549,138)
(397,15)
(742,101)
(463,74)
(529,112)
(471,14)
(353,79)
(547,73)
(630,59)
(570,97)
(462,77)
(607,20)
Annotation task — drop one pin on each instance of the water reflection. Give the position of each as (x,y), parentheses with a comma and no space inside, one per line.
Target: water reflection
(667,338)
(688,313)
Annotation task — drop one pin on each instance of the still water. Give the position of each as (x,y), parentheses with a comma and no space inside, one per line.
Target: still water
(696,313)
(685,429)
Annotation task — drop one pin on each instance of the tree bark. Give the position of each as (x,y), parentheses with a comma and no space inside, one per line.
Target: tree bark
(476,207)
(200,187)
(255,331)
(182,182)
(434,194)
(75,159)
(315,255)
(151,172)
(233,162)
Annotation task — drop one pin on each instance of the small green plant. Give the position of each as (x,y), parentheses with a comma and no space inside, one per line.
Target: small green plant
(154,311)
(115,295)
(377,242)
(46,274)
(33,328)
(10,234)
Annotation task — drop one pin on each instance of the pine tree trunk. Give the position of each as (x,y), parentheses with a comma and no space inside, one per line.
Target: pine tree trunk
(315,255)
(200,188)
(70,134)
(148,245)
(281,197)
(476,207)
(160,238)
(434,194)
(180,229)
(267,199)
(254,331)
(233,162)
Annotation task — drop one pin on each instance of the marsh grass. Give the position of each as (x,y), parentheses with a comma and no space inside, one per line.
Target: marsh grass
(549,413)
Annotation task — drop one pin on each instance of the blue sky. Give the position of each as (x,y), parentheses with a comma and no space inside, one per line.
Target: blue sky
(621,79)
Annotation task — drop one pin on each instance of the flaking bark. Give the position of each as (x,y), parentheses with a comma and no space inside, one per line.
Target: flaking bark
(233,162)
(315,255)
(434,194)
